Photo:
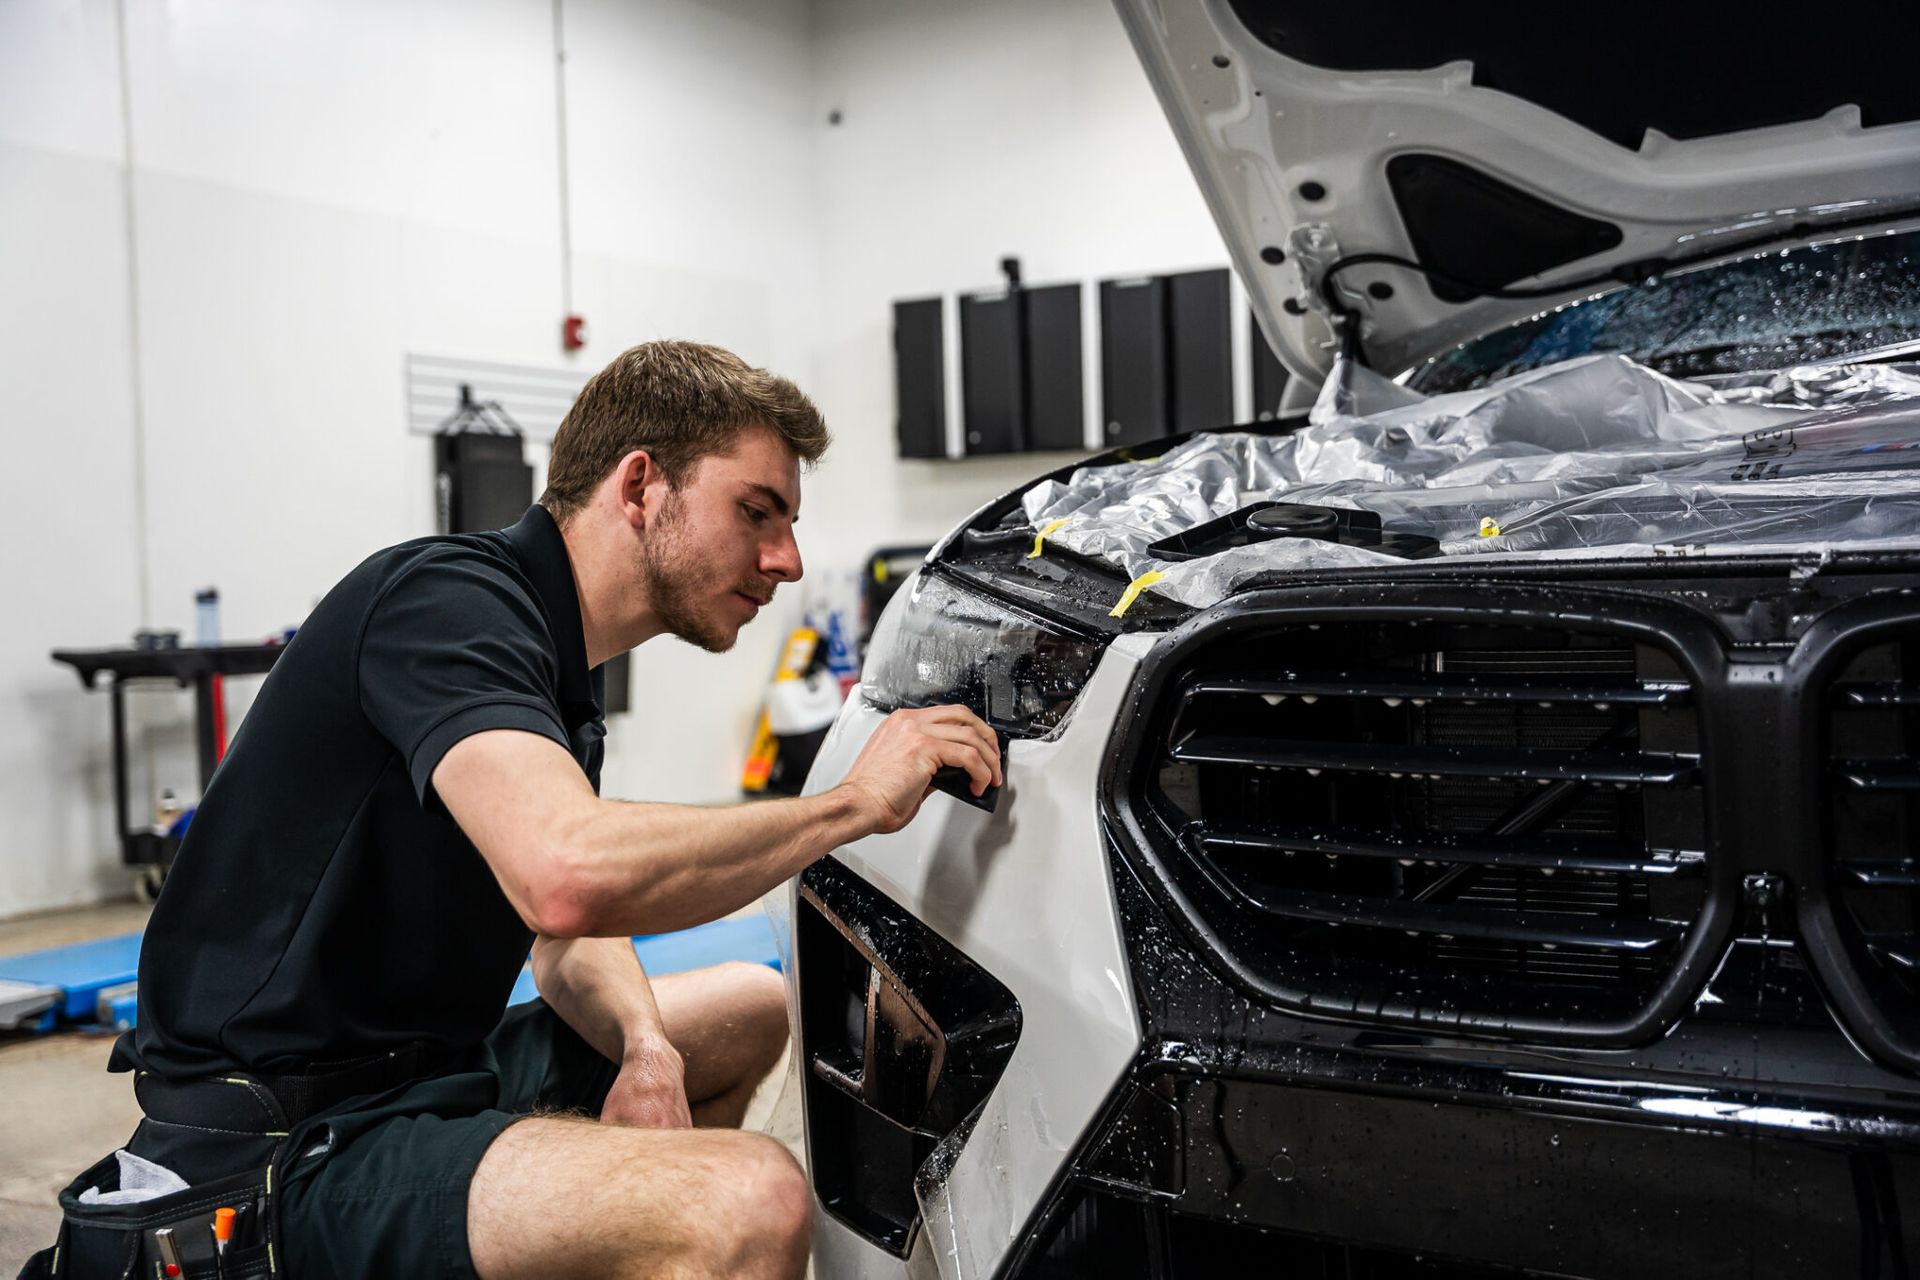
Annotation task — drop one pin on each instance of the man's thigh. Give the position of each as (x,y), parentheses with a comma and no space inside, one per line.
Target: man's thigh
(559,1196)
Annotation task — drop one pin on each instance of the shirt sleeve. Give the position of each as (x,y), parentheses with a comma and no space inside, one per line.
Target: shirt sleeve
(455,647)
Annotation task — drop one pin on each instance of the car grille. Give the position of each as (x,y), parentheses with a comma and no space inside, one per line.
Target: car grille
(1456,822)
(1872,821)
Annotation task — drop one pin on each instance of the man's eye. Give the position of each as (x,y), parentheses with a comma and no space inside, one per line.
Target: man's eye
(754,514)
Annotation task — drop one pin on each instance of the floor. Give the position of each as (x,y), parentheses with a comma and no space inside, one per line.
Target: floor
(60,1110)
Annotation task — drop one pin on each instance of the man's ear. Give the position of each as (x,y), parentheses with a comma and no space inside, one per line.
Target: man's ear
(639,487)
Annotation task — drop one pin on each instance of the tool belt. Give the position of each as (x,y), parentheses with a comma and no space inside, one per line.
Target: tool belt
(326,1085)
(124,1242)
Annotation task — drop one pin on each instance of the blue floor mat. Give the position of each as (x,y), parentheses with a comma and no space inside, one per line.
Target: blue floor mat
(83,970)
(80,971)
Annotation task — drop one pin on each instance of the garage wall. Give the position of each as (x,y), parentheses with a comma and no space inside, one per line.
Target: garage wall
(970,132)
(71,566)
(321,186)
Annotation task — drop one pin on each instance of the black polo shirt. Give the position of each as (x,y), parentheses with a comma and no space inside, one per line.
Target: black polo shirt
(324,905)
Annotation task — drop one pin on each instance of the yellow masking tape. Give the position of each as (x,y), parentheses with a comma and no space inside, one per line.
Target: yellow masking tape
(1133,591)
(1489,527)
(1040,538)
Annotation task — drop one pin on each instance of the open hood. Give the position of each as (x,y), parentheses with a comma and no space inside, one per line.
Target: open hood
(1473,166)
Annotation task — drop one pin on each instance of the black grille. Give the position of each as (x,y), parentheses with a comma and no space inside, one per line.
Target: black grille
(1873,819)
(1435,822)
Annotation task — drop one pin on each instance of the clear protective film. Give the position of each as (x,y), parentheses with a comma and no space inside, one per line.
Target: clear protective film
(1595,456)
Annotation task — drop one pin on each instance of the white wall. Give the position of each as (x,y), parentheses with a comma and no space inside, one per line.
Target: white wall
(71,570)
(970,132)
(320,186)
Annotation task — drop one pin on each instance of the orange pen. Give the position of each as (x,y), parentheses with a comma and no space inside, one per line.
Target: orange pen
(222,1230)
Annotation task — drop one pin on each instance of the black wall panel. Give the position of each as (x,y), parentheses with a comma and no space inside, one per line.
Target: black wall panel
(1269,375)
(1201,354)
(919,377)
(1056,400)
(992,374)
(1166,365)
(1134,383)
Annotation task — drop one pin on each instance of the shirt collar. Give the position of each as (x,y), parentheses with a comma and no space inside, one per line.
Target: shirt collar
(542,553)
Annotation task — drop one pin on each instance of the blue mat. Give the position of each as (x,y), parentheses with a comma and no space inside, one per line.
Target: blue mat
(85,969)
(748,938)
(81,971)
(121,1012)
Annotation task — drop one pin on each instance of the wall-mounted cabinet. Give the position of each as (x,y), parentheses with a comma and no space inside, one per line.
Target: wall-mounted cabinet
(1166,354)
(993,384)
(1135,380)
(1056,383)
(1011,365)
(1020,370)
(919,378)
(1200,339)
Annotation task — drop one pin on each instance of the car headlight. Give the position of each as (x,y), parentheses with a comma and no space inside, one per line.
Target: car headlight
(939,642)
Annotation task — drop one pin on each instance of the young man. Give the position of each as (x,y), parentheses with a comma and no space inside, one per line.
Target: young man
(412,805)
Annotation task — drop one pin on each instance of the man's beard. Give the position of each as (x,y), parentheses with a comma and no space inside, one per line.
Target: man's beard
(678,583)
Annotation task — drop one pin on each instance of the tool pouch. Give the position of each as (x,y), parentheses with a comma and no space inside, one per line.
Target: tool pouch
(117,1241)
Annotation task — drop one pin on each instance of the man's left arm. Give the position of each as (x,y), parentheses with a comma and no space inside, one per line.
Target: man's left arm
(598,987)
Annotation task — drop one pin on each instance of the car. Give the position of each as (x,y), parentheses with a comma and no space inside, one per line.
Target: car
(1466,825)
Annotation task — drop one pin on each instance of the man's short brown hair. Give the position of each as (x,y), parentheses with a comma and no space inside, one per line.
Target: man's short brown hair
(681,402)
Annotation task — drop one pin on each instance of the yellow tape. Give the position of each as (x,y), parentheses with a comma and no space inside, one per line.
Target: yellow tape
(1040,538)
(1489,527)
(879,570)
(1133,591)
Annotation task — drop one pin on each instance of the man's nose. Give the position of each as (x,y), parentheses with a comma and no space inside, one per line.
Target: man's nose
(781,560)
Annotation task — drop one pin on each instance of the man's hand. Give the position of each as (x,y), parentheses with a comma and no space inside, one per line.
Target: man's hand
(651,1090)
(894,771)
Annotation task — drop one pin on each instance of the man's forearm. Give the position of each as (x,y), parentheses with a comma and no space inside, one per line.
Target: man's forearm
(652,868)
(574,865)
(598,988)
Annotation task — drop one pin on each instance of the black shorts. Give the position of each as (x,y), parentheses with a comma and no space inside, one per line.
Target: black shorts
(379,1188)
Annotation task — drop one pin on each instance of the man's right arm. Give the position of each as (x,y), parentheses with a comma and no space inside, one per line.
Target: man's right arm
(574,865)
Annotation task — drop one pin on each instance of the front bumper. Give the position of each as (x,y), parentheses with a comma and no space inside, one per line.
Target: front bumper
(1026,894)
(1156,1120)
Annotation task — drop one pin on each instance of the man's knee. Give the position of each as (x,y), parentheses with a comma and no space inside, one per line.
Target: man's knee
(766,988)
(633,1201)
(770,1210)
(766,1003)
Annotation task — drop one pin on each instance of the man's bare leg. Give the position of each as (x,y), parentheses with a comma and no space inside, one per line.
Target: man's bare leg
(730,1024)
(557,1197)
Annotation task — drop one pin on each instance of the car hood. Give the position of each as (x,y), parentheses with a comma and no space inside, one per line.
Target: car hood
(1549,157)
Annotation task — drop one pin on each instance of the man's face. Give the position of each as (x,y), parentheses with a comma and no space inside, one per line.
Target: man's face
(723,541)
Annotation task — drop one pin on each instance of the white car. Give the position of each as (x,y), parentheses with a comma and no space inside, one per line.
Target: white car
(1468,828)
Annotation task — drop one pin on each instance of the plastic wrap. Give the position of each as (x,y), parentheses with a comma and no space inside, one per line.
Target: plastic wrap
(1596,456)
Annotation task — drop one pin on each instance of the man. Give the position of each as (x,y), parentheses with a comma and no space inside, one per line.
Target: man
(412,805)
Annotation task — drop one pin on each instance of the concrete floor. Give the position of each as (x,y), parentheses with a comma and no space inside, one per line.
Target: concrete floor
(60,1109)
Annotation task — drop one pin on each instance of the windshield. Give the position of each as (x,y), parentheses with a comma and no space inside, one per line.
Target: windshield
(1801,306)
